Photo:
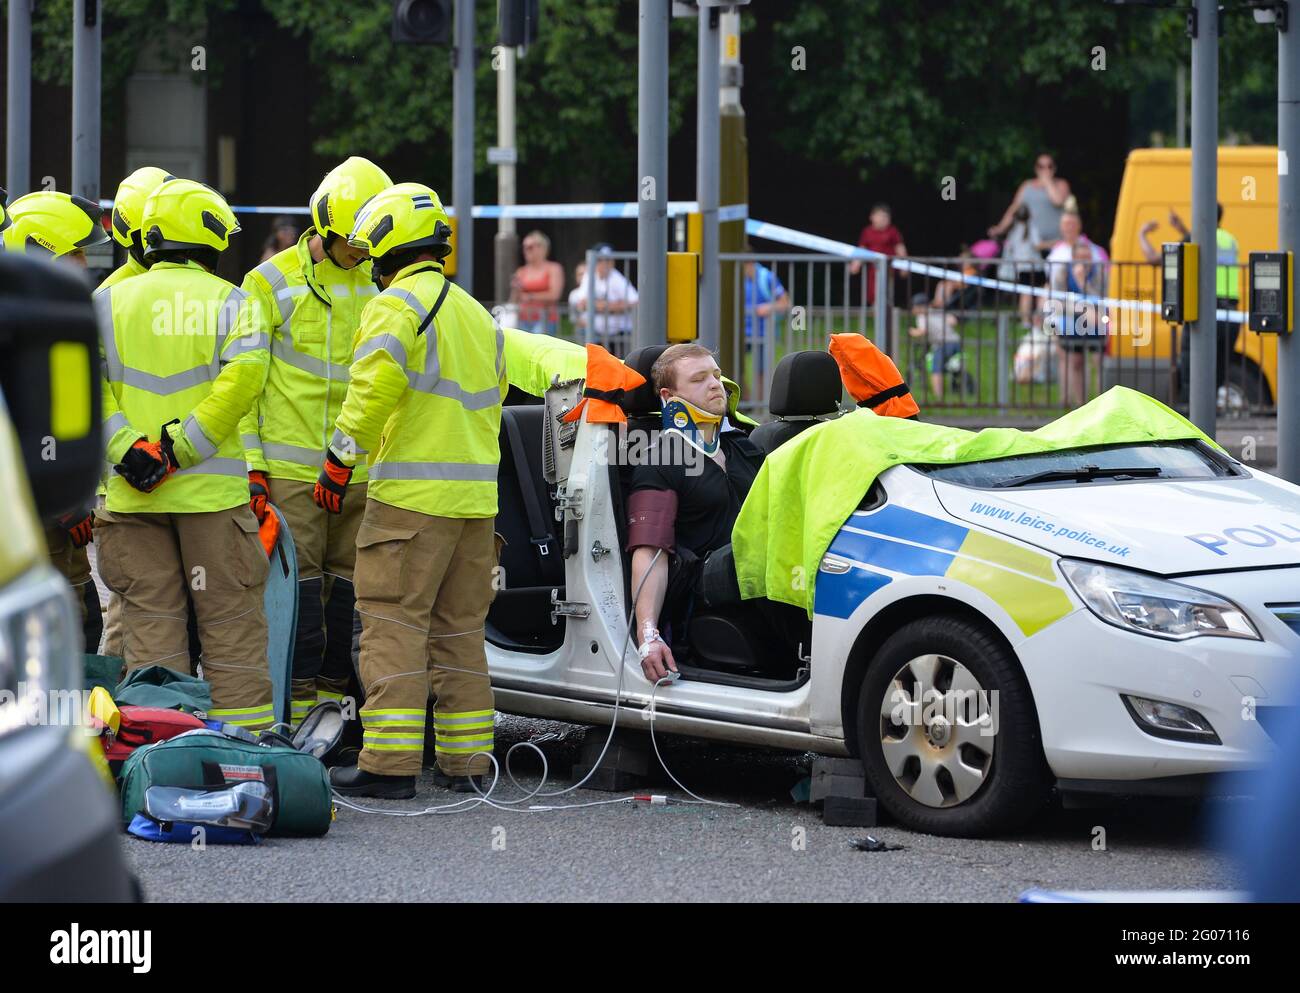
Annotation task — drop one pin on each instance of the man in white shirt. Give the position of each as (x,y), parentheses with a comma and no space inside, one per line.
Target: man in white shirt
(615,299)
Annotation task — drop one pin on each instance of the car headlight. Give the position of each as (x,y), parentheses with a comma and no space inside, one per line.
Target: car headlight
(40,652)
(1157,607)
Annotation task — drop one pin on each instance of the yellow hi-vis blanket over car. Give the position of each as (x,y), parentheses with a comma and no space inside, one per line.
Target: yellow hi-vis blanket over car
(808,487)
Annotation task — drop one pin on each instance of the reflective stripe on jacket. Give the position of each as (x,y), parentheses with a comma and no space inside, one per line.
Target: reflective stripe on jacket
(313,310)
(426,405)
(179,343)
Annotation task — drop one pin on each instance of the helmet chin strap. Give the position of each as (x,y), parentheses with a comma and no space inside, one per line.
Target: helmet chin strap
(684,418)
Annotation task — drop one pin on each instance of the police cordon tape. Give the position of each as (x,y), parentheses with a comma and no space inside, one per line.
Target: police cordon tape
(778,233)
(536,211)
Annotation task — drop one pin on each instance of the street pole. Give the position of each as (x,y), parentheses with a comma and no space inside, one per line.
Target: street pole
(18,132)
(1180,110)
(85,99)
(1288,239)
(652,170)
(462,165)
(506,249)
(733,189)
(708,142)
(1205,180)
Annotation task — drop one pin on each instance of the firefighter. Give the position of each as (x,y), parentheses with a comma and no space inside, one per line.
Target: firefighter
(428,378)
(313,294)
(184,354)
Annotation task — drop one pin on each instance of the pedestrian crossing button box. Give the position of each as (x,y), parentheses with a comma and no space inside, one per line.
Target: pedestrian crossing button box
(1178,282)
(1271,305)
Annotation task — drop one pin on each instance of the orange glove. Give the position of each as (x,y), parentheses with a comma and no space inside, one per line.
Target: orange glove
(145,466)
(269,532)
(332,484)
(258,493)
(77,524)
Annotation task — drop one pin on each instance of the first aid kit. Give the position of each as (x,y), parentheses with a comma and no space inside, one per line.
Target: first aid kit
(208,761)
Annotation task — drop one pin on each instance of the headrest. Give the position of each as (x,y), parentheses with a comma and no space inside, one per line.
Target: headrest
(805,384)
(643,400)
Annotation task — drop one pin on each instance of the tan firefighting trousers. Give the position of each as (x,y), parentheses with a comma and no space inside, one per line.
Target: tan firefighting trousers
(146,559)
(423,588)
(326,545)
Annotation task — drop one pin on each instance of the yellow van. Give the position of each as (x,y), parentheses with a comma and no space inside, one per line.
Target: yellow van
(1142,349)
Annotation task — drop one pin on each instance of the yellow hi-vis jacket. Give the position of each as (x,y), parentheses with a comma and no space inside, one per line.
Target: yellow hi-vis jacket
(314,310)
(426,404)
(178,342)
(126,270)
(123,272)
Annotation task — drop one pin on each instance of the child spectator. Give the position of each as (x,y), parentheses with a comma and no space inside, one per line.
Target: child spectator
(940,331)
(881,236)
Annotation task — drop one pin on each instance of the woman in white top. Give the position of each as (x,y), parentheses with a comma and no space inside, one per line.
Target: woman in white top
(1022,261)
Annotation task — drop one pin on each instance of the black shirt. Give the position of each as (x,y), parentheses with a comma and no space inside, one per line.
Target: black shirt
(708,499)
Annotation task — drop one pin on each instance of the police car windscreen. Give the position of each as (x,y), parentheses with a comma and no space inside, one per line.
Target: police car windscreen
(1099,464)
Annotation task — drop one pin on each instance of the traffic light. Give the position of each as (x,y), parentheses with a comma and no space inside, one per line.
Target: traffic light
(421,22)
(518,21)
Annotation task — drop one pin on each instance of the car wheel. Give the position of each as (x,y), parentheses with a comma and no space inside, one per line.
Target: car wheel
(948,732)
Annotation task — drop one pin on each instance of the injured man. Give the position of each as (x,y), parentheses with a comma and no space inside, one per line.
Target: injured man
(683,504)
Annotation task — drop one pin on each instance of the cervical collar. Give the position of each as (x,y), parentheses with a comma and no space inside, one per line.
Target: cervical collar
(684,418)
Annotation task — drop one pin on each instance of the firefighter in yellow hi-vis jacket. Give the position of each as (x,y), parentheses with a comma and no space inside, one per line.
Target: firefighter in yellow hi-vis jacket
(313,294)
(427,380)
(184,354)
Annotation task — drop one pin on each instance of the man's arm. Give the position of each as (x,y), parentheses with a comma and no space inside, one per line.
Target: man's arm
(652,519)
(261,301)
(243,349)
(378,377)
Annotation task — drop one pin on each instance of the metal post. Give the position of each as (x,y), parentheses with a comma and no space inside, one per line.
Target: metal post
(1205,180)
(733,185)
(881,276)
(506,249)
(85,99)
(652,170)
(1288,239)
(707,176)
(590,277)
(18,132)
(1180,110)
(462,168)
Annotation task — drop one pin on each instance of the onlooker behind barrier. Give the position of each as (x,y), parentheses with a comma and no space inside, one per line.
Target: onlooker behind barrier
(1077,267)
(765,299)
(284,234)
(1023,261)
(537,285)
(1045,195)
(939,330)
(881,236)
(1226,292)
(615,301)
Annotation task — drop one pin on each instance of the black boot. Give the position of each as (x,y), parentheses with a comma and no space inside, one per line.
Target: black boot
(457,784)
(352,780)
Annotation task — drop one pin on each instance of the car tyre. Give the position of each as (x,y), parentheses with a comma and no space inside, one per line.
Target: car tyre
(1015,779)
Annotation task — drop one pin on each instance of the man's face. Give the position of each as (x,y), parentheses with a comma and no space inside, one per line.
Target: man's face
(699,381)
(603,266)
(1071,227)
(347,256)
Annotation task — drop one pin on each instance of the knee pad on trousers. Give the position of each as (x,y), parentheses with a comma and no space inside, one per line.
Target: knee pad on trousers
(309,646)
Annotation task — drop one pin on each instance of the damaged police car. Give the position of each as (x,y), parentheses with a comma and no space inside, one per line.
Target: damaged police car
(1108,605)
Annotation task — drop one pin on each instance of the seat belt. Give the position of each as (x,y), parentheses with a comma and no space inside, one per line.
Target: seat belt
(539,533)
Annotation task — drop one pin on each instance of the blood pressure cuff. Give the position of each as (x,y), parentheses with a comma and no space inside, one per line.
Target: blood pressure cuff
(652,520)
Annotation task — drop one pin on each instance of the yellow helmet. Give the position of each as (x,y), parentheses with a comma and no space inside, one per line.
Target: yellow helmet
(128,205)
(183,213)
(405,216)
(345,188)
(53,223)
